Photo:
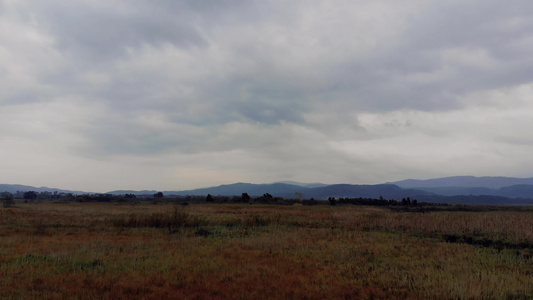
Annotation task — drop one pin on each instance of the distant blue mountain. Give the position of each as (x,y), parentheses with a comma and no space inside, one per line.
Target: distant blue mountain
(464,181)
(13,188)
(284,190)
(457,189)
(517,191)
(236,189)
(123,192)
(310,185)
(509,187)
(387,191)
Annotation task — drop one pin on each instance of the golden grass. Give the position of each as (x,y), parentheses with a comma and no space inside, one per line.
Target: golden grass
(106,251)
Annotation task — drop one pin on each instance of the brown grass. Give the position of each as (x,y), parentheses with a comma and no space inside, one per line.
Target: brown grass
(106,251)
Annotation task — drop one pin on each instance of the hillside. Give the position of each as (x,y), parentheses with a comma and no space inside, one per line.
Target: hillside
(507,187)
(496,182)
(457,189)
(13,188)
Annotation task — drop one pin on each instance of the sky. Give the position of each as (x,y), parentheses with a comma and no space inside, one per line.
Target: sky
(172,95)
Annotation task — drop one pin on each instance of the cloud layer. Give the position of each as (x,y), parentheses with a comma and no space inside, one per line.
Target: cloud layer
(100,95)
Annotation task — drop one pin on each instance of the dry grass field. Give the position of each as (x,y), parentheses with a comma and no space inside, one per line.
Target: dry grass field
(215,251)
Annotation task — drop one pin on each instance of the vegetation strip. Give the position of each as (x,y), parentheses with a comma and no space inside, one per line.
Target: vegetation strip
(243,251)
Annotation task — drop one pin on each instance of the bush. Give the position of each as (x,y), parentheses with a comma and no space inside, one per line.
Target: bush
(8,202)
(256,220)
(174,220)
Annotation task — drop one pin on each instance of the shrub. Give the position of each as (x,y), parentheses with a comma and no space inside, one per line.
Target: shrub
(174,220)
(256,220)
(8,202)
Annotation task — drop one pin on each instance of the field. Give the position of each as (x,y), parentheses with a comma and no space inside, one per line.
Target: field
(243,251)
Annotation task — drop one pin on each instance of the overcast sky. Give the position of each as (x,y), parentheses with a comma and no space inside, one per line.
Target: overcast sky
(169,95)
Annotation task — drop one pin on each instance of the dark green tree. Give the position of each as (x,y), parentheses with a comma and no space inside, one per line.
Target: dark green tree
(245,197)
(30,195)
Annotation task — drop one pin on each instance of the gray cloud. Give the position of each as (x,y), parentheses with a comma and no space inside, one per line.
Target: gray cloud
(289,88)
(99,31)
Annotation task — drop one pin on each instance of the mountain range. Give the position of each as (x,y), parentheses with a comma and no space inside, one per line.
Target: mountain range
(509,187)
(13,188)
(388,191)
(457,189)
(465,181)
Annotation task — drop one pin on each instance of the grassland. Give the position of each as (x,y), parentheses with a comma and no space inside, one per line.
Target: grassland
(164,251)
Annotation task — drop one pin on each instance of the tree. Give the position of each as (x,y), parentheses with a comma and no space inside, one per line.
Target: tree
(245,197)
(44,195)
(158,195)
(6,194)
(332,201)
(7,199)
(30,195)
(209,198)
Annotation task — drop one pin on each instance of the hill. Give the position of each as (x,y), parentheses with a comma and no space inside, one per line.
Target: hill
(13,188)
(508,187)
(464,181)
(388,191)
(457,189)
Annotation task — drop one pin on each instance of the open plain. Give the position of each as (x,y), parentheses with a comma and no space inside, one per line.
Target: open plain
(244,251)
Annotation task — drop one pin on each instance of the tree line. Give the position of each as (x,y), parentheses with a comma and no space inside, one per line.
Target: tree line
(267,198)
